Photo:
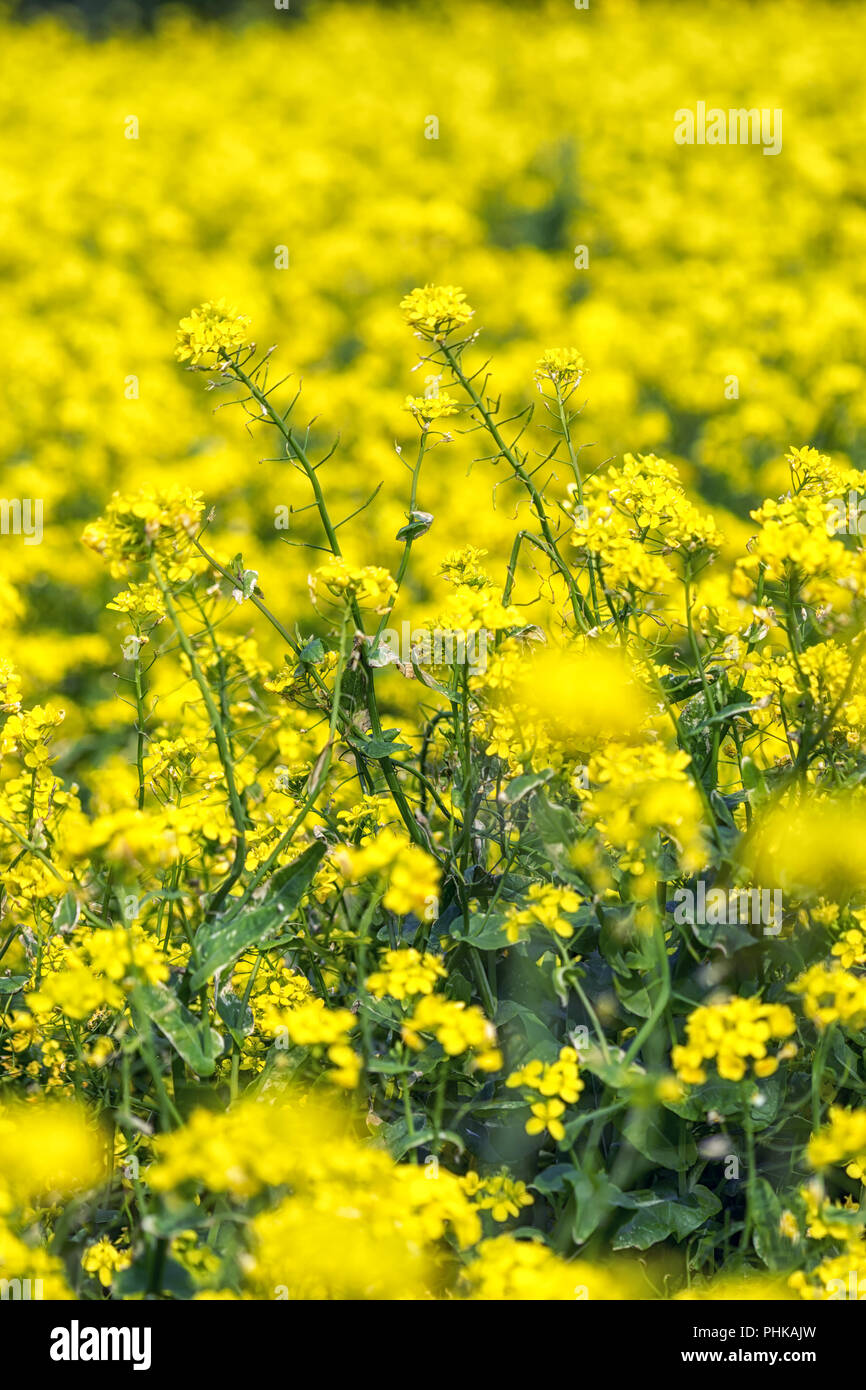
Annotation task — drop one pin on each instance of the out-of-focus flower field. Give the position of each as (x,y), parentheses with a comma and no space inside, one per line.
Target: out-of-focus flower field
(530,968)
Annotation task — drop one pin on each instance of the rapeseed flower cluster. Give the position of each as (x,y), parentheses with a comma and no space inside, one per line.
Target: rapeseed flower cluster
(733,1034)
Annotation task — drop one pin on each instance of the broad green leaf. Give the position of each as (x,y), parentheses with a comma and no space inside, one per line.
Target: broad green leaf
(10,984)
(221,942)
(487,933)
(171,1220)
(528,782)
(400,1141)
(235,1014)
(776,1251)
(67,911)
(313,652)
(662,1213)
(553,1179)
(594,1196)
(540,1040)
(726,937)
(135,1279)
(634,994)
(645,1131)
(724,1097)
(613,1072)
(762,1098)
(197,1043)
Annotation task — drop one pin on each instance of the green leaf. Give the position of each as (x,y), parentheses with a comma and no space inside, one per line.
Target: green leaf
(557,830)
(67,911)
(679,687)
(540,1040)
(729,712)
(771,1246)
(136,1279)
(219,943)
(661,1213)
(174,1219)
(383,747)
(613,1072)
(10,984)
(725,1097)
(753,777)
(624,949)
(389,1066)
(761,1097)
(727,937)
(400,1141)
(553,1179)
(487,934)
(312,653)
(644,1130)
(235,1014)
(197,1043)
(417,525)
(595,1196)
(528,782)
(634,995)
(246,583)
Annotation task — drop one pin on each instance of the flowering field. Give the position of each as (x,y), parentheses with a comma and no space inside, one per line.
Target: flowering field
(432,703)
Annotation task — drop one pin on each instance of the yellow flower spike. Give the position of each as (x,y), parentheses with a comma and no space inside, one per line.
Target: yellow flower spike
(209,332)
(436,310)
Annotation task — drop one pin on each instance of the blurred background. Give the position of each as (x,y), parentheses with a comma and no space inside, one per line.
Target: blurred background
(103,16)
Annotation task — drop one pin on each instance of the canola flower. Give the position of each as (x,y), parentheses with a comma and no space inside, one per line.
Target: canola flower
(843,1140)
(547,907)
(733,1035)
(241,849)
(404,973)
(103,1260)
(436,310)
(457,1028)
(832,995)
(497,1193)
(213,331)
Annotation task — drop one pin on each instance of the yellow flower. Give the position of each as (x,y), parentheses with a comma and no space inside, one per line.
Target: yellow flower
(563,367)
(48,1149)
(457,1027)
(309,1024)
(213,331)
(812,849)
(842,1141)
(545,1116)
(732,1033)
(560,1078)
(436,310)
(506,1268)
(104,1260)
(153,521)
(788,1226)
(429,408)
(832,995)
(851,947)
(497,1193)
(369,586)
(346,1069)
(546,907)
(412,875)
(406,972)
